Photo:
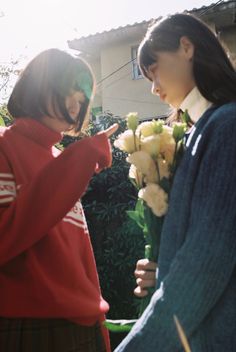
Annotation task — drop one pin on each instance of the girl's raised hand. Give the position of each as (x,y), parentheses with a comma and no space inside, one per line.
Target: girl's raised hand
(110,130)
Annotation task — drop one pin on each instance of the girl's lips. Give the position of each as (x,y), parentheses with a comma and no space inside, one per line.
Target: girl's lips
(162,97)
(72,113)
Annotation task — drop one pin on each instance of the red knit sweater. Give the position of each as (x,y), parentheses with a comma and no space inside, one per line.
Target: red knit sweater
(47,267)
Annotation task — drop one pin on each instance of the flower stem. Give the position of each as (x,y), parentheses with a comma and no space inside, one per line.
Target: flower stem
(135,145)
(158,170)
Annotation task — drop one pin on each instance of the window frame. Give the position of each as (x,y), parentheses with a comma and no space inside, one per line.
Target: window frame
(136,73)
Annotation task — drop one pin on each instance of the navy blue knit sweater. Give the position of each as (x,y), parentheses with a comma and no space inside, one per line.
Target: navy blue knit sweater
(197,277)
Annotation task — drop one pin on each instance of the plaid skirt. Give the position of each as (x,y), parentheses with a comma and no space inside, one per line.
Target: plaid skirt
(48,335)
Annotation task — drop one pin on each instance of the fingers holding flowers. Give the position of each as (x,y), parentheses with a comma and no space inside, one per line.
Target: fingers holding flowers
(145,274)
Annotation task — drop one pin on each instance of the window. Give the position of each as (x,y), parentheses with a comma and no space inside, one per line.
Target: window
(136,71)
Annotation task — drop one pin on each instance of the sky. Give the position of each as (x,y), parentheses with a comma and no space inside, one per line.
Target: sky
(28,26)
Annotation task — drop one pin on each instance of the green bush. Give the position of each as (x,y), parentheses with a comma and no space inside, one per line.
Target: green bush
(5,117)
(117,241)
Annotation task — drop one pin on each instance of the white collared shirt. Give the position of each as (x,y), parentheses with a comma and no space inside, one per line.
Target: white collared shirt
(196,104)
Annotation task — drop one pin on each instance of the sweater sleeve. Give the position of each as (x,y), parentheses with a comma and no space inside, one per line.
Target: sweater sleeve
(202,268)
(27,216)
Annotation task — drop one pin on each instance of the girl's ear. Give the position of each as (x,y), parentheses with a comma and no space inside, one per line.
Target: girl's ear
(187,46)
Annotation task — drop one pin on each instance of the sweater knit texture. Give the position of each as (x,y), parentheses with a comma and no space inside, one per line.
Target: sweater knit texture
(47,266)
(197,278)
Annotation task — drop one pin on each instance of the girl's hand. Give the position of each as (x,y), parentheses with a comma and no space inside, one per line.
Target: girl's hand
(112,129)
(145,274)
(106,158)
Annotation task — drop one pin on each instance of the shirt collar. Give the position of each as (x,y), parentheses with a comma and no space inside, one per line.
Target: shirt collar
(195,104)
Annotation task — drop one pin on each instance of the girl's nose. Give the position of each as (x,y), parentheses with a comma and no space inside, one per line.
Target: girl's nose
(75,102)
(155,88)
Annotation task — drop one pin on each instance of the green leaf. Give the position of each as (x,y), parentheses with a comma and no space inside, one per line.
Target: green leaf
(179,129)
(186,118)
(139,207)
(2,122)
(148,251)
(153,234)
(119,325)
(134,215)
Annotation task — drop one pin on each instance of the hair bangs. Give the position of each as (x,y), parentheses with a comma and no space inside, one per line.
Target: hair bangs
(146,57)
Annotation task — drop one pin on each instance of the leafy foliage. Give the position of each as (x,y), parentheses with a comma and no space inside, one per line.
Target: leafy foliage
(8,74)
(117,241)
(5,117)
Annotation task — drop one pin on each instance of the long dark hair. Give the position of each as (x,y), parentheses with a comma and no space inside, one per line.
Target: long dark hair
(51,76)
(213,72)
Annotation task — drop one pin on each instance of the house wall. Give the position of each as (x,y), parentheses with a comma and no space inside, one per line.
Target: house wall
(228,37)
(120,93)
(96,68)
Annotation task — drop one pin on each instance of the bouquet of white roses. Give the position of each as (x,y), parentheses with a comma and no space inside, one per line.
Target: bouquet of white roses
(154,150)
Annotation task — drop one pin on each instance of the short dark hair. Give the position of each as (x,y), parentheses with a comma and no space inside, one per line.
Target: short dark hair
(213,72)
(51,76)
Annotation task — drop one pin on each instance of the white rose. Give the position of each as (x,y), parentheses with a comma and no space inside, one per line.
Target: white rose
(144,164)
(167,144)
(167,130)
(136,175)
(156,198)
(163,168)
(151,145)
(146,129)
(127,142)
